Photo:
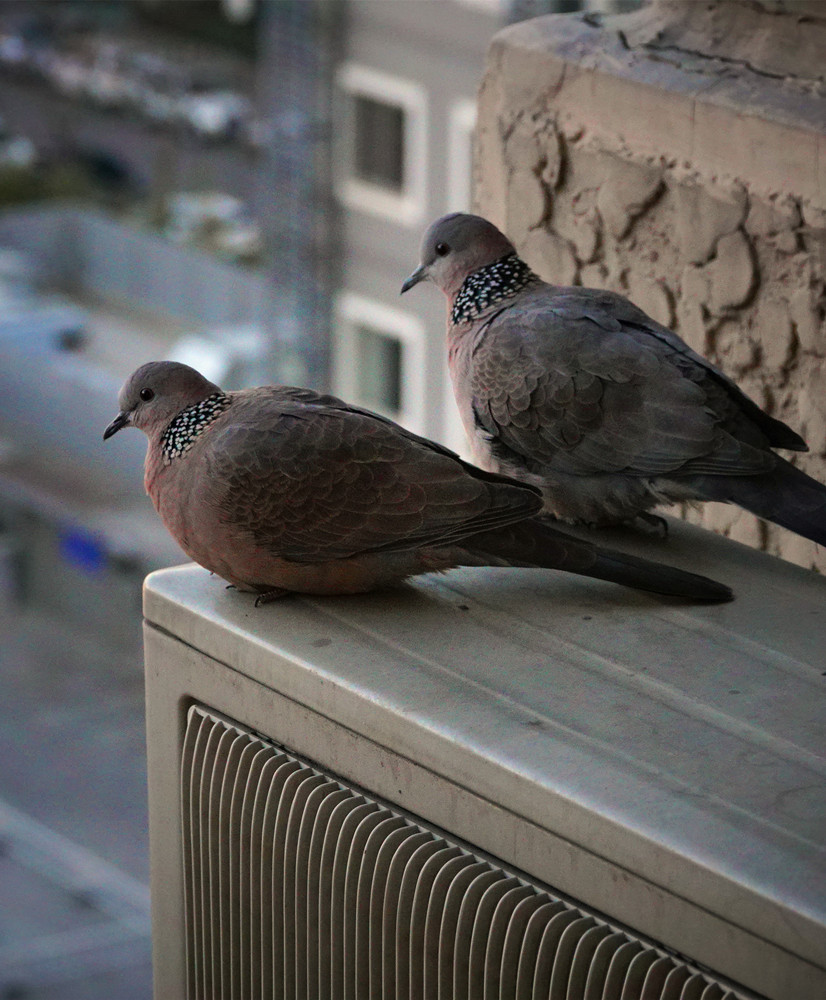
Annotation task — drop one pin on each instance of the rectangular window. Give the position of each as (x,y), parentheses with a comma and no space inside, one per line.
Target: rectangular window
(379,359)
(381,157)
(461,126)
(378,369)
(379,143)
(452,432)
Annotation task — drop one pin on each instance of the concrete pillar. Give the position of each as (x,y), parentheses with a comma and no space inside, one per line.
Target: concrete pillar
(678,155)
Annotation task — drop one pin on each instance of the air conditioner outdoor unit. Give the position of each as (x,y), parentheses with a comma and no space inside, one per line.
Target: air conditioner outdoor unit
(489,785)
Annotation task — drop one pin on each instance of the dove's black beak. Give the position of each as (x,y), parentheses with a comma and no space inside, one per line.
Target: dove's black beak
(121,420)
(420,274)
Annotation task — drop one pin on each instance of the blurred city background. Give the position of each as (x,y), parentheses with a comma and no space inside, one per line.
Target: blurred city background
(239,185)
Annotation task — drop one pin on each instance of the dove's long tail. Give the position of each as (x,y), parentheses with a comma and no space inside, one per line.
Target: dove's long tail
(536,543)
(785,495)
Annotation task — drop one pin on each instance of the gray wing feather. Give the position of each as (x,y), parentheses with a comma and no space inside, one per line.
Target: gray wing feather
(312,479)
(563,380)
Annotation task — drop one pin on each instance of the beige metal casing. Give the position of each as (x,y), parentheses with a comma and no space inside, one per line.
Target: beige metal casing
(663,764)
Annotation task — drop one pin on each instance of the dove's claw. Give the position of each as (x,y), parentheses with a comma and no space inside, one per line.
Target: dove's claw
(270,595)
(653,523)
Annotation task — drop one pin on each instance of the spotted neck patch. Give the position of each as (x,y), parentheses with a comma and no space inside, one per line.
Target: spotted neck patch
(490,285)
(182,431)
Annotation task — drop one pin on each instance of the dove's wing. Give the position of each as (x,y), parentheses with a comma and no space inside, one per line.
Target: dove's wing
(576,382)
(313,479)
(739,415)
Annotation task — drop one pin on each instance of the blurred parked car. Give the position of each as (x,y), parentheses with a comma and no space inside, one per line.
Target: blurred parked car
(13,51)
(217,114)
(232,357)
(160,87)
(112,81)
(67,72)
(18,276)
(15,150)
(217,222)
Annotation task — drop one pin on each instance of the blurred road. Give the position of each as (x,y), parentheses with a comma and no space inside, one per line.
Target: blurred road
(74,867)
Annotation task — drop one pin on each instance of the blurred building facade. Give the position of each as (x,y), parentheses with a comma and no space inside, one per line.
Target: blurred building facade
(403,137)
(404,114)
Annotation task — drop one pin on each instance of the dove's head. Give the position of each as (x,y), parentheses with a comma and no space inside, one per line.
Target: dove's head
(155,393)
(454,247)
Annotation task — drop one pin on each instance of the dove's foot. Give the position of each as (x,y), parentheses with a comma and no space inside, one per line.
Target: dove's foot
(651,524)
(270,595)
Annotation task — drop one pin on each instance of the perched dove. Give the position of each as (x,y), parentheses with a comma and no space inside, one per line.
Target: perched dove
(279,489)
(578,392)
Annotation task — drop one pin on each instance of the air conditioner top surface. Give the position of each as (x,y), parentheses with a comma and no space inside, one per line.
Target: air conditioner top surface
(684,743)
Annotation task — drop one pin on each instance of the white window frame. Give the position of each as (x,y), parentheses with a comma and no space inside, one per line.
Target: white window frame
(354,310)
(495,7)
(453,434)
(461,125)
(356,80)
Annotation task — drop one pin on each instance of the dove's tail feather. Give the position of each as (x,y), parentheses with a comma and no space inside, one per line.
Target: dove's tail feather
(536,543)
(785,495)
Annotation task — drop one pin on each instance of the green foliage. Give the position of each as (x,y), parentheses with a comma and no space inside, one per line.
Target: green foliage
(204,20)
(20,185)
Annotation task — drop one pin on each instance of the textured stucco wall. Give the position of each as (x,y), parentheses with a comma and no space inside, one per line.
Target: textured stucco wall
(617,155)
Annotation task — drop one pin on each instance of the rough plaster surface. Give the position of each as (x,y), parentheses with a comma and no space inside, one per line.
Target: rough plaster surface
(694,184)
(751,32)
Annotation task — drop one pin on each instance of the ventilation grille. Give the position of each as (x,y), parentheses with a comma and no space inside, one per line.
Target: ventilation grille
(298,886)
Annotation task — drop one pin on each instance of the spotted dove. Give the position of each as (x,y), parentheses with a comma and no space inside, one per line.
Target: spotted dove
(580,393)
(279,489)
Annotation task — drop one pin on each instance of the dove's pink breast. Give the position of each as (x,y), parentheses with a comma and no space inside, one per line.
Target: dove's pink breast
(230,551)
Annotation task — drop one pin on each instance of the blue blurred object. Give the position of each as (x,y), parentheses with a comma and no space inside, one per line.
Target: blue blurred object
(82,549)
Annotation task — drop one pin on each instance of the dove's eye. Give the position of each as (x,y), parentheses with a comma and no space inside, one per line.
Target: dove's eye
(146,395)
(442,249)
